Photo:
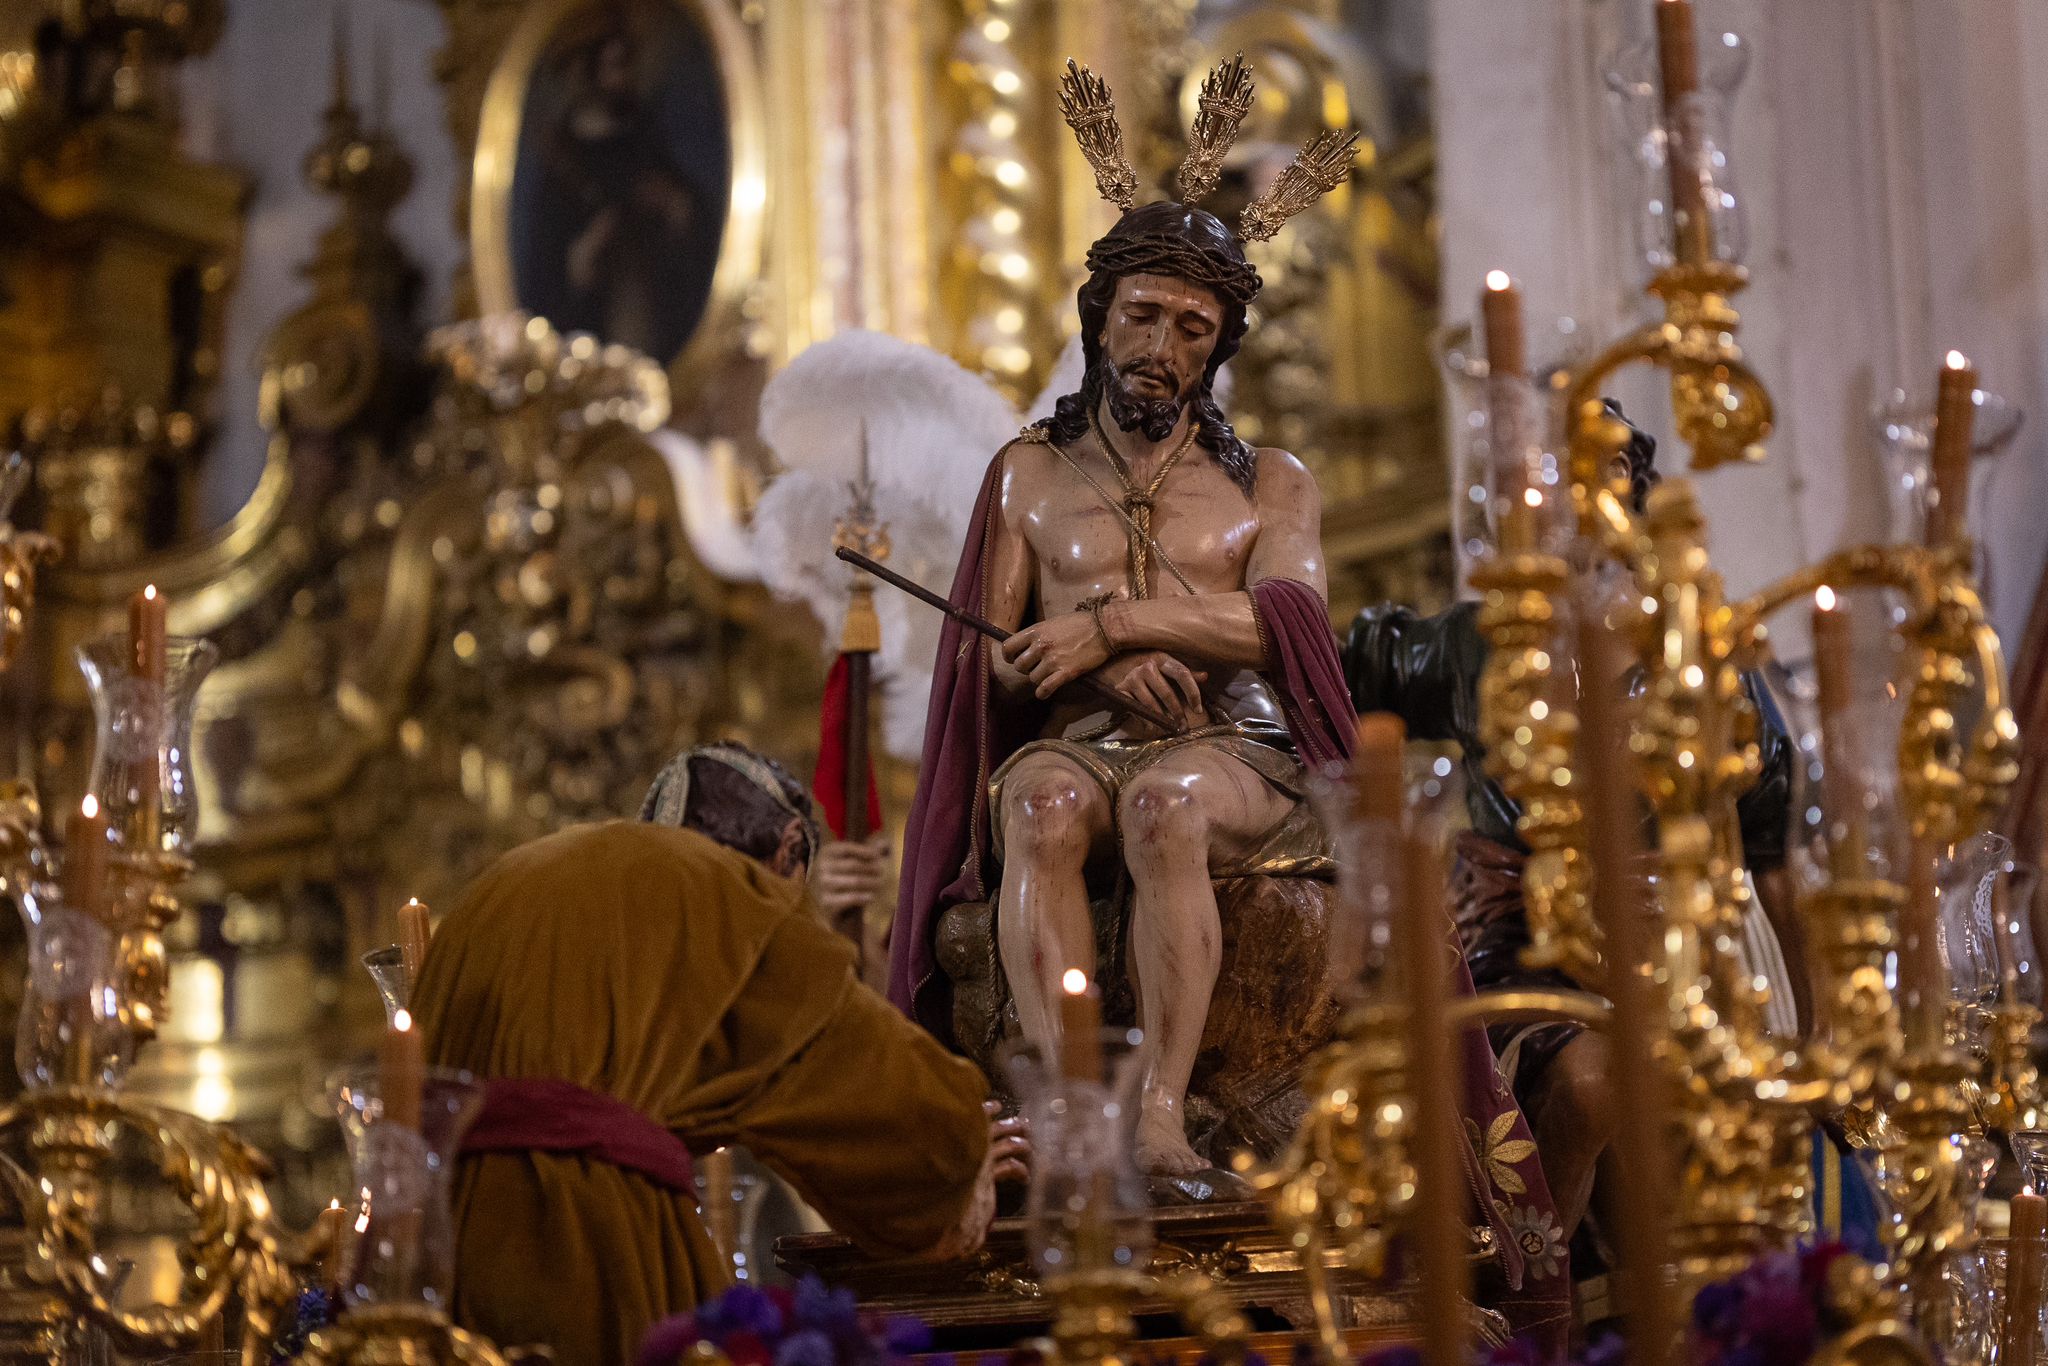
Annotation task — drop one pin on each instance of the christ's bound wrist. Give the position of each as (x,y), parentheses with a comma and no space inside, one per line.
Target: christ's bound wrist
(1111,620)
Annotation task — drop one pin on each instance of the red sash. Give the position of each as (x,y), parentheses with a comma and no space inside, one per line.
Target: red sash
(540,1114)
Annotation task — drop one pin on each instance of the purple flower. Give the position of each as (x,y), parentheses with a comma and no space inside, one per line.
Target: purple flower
(904,1336)
(666,1341)
(745,1309)
(806,1347)
(1715,1308)
(817,1305)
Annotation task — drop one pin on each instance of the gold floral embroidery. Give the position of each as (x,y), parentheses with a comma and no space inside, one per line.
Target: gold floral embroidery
(1498,1153)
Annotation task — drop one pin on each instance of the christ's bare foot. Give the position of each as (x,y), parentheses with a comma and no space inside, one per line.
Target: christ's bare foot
(1162,1141)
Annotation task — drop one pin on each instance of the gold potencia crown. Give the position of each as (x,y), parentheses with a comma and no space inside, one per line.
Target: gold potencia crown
(1319,167)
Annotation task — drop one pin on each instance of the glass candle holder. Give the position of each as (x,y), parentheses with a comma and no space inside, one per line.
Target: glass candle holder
(1968,930)
(1695,136)
(1904,426)
(1369,881)
(1087,1209)
(142,755)
(403,1248)
(386,967)
(72,1031)
(1845,818)
(1506,447)
(732,1202)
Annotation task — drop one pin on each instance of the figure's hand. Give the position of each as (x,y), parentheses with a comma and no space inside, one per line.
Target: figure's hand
(1009,1143)
(1057,651)
(1004,1161)
(1161,682)
(847,875)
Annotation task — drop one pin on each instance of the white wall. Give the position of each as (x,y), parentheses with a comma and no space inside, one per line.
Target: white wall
(255,102)
(1894,161)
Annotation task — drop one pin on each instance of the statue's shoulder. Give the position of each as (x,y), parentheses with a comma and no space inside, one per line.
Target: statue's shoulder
(1280,476)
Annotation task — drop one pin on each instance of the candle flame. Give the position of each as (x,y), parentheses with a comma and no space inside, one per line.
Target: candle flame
(1824,598)
(401,1020)
(1957,361)
(1497,280)
(335,1203)
(1533,497)
(1075,982)
(90,807)
(149,589)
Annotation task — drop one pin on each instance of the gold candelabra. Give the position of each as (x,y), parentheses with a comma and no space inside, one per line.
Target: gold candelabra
(97,992)
(1742,1100)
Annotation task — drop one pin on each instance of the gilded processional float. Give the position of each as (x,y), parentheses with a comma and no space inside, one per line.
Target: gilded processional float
(524,421)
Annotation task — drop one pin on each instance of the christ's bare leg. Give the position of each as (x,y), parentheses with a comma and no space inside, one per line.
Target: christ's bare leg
(1191,809)
(1052,815)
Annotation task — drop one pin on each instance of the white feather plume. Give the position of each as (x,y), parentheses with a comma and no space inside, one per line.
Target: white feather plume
(931,428)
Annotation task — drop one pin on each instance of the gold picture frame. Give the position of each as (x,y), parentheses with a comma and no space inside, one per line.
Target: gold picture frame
(723,331)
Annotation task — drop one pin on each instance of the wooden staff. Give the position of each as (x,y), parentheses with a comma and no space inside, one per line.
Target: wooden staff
(1087,683)
(1641,1125)
(1440,1229)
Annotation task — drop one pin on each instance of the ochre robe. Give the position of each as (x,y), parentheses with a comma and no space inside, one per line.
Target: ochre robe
(664,970)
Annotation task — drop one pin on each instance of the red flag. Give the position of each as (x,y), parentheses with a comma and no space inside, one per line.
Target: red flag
(828,782)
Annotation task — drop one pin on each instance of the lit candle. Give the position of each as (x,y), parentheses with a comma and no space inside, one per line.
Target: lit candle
(415,931)
(402,1072)
(2019,1343)
(1678,62)
(1848,835)
(146,634)
(1080,1028)
(333,1243)
(1500,306)
(1443,1236)
(85,859)
(1925,986)
(1955,417)
(1509,417)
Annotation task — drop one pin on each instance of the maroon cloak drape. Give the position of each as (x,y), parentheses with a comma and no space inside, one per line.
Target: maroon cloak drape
(946,861)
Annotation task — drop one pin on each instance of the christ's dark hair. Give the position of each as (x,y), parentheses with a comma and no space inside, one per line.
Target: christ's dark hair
(1173,240)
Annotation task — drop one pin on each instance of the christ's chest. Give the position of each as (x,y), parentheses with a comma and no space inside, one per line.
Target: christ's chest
(1199,522)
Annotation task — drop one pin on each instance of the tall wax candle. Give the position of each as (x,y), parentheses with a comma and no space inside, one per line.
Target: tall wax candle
(2020,1338)
(1955,420)
(402,1072)
(85,859)
(1678,62)
(1441,1230)
(415,932)
(1080,1028)
(146,638)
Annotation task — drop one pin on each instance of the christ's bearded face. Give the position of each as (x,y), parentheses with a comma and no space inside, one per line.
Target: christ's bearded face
(1156,345)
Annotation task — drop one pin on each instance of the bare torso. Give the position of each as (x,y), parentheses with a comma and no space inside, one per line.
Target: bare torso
(1204,524)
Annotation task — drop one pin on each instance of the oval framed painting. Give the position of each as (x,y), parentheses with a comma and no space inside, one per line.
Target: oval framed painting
(619,183)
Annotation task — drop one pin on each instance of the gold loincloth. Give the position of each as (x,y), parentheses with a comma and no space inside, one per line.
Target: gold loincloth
(1296,845)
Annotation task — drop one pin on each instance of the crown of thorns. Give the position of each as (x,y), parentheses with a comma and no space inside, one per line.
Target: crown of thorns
(1226,97)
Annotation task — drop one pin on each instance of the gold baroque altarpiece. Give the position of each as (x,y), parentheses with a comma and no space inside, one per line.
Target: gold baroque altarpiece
(460,607)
